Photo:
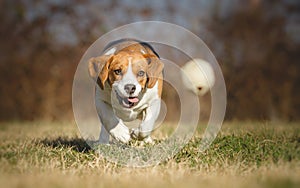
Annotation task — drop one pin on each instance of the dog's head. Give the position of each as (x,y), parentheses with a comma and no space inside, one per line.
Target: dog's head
(129,72)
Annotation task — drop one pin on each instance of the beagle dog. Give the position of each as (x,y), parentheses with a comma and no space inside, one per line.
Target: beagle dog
(129,74)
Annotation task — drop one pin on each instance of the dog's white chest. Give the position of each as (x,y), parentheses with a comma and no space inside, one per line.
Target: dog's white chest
(128,114)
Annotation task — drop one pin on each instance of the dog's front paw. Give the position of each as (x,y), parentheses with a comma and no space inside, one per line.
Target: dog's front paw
(120,133)
(134,133)
(148,140)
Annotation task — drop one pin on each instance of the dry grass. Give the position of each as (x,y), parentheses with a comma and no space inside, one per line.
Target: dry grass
(245,154)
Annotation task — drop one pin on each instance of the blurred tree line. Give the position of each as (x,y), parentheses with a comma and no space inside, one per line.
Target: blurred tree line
(256,43)
(260,61)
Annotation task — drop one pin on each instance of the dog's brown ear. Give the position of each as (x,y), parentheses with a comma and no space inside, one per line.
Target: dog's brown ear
(98,68)
(154,71)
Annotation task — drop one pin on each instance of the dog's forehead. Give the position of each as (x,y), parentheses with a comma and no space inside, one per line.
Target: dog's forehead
(125,58)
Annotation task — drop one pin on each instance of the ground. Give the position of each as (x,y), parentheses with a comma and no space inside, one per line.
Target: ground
(245,154)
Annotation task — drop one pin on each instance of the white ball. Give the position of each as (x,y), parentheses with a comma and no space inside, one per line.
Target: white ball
(198,76)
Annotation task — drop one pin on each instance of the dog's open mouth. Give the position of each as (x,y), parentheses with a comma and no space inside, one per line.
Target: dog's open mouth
(127,102)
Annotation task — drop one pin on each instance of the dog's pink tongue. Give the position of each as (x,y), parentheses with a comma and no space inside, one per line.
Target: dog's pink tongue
(133,100)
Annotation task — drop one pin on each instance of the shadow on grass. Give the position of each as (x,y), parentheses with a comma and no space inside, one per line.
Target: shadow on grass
(76,144)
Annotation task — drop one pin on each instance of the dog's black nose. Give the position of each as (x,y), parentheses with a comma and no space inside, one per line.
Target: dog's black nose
(129,88)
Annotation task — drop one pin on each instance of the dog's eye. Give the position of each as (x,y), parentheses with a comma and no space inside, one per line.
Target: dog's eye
(141,73)
(118,71)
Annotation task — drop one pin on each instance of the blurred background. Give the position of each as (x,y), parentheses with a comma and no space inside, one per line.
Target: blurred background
(256,43)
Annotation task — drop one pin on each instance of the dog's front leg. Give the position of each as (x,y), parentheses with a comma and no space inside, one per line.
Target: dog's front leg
(111,124)
(147,125)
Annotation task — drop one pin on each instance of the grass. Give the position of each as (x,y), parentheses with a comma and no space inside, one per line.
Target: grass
(245,154)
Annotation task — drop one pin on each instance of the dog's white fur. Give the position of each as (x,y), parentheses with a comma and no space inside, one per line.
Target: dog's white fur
(116,118)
